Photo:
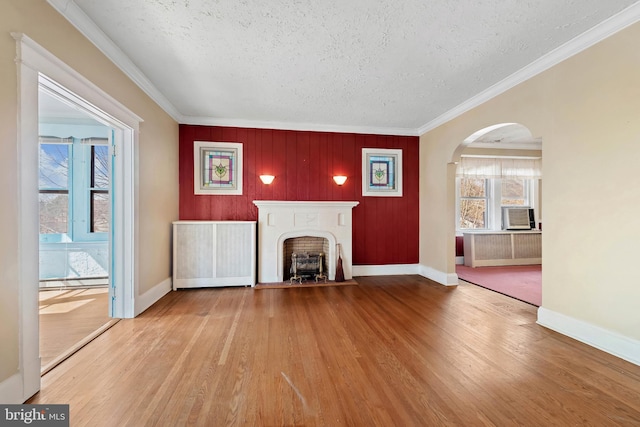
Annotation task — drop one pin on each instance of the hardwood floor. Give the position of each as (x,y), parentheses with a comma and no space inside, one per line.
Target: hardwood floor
(69,318)
(394,350)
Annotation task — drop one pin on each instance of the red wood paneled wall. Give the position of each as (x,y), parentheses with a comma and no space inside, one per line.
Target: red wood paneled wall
(385,229)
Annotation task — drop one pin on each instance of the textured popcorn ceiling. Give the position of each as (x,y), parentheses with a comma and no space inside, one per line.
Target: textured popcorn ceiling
(395,64)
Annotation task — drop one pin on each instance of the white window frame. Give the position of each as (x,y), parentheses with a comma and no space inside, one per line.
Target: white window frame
(494,203)
(78,191)
(489,206)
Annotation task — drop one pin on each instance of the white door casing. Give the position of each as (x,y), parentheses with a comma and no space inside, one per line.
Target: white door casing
(38,66)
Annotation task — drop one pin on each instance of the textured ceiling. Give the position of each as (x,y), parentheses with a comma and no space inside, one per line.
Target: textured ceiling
(390,66)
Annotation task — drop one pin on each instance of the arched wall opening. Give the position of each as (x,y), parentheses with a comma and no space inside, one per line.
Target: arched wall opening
(505,142)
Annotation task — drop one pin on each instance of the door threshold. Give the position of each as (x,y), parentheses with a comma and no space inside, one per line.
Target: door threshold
(72,350)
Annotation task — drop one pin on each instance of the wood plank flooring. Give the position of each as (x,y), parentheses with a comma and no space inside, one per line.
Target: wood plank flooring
(394,350)
(69,317)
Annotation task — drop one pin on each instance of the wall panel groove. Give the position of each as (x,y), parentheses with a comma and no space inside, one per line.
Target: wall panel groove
(385,229)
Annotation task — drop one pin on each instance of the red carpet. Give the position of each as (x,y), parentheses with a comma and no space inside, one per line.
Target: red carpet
(523,282)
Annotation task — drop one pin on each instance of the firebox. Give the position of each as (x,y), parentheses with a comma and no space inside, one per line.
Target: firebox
(307,266)
(303,246)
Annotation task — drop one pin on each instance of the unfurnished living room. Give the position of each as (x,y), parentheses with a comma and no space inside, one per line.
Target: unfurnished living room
(319,213)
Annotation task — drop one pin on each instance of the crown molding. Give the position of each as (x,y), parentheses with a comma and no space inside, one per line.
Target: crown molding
(576,45)
(88,28)
(72,12)
(313,127)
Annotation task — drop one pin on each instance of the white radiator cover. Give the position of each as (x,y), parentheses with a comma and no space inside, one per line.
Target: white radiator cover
(214,253)
(487,248)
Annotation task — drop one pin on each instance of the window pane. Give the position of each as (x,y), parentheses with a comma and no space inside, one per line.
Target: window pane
(473,187)
(54,213)
(473,213)
(514,192)
(54,166)
(99,166)
(99,211)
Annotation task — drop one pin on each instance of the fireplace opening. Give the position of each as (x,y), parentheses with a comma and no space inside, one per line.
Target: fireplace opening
(307,250)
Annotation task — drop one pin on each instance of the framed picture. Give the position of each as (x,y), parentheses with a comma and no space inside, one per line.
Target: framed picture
(381,172)
(217,167)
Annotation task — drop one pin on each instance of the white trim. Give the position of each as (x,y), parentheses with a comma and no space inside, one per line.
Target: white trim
(152,296)
(574,46)
(33,63)
(603,339)
(125,237)
(27,149)
(446,279)
(303,204)
(385,270)
(459,260)
(76,16)
(38,58)
(11,390)
(313,127)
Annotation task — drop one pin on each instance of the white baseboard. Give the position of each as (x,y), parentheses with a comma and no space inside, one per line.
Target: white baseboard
(384,270)
(439,276)
(459,260)
(595,336)
(11,390)
(150,297)
(397,269)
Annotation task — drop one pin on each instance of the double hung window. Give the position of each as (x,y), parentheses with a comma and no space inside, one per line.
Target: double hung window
(480,201)
(474,202)
(486,184)
(74,189)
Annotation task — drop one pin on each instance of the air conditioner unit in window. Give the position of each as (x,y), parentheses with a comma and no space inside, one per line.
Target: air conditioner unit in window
(520,218)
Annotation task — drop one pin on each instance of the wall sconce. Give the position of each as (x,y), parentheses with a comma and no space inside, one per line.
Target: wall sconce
(340,179)
(267,179)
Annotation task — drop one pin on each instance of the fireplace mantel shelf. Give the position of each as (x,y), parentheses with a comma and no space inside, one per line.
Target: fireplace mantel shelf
(309,204)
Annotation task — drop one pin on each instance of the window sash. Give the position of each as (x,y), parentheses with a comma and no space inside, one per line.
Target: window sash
(473,210)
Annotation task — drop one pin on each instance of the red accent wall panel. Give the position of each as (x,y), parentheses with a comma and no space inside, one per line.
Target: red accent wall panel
(459,246)
(385,229)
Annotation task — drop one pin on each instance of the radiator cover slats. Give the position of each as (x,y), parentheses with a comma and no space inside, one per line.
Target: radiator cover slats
(502,248)
(214,253)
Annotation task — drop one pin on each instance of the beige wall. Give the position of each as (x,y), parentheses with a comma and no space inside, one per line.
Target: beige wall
(157,162)
(587,110)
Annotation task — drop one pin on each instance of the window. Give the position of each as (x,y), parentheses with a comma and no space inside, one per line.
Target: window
(474,203)
(479,201)
(514,192)
(74,189)
(53,181)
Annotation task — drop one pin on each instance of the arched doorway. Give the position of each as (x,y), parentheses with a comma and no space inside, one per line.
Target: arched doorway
(497,172)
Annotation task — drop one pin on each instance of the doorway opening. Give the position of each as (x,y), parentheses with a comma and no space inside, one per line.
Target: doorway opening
(74,192)
(498,170)
(36,67)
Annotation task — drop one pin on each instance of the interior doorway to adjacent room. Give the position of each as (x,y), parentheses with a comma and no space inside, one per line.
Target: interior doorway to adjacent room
(498,169)
(74,201)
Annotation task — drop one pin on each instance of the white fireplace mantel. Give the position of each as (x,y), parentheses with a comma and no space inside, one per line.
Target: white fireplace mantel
(280,220)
